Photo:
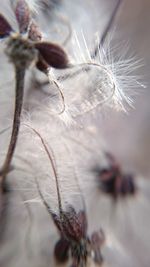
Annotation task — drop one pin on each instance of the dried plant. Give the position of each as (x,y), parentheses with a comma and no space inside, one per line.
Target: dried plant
(50,156)
(72,225)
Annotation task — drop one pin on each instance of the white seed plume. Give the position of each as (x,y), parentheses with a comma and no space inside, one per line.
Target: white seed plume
(108,79)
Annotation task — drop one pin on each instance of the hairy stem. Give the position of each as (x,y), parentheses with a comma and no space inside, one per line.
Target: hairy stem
(20,74)
(53,167)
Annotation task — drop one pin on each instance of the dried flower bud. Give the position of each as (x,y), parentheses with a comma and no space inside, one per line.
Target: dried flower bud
(114,182)
(108,181)
(22,13)
(61,250)
(5,27)
(53,54)
(34,33)
(73,229)
(74,224)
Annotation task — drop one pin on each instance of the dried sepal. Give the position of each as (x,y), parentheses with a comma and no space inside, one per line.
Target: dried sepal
(34,33)
(53,54)
(71,225)
(42,65)
(5,27)
(61,250)
(22,13)
(74,224)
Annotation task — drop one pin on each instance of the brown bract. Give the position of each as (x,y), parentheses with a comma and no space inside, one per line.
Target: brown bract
(5,28)
(53,54)
(71,225)
(61,250)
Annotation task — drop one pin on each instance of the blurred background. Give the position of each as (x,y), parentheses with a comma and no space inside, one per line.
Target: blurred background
(129,134)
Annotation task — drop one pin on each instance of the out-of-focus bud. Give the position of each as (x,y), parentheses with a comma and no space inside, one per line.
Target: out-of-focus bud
(61,250)
(5,27)
(22,13)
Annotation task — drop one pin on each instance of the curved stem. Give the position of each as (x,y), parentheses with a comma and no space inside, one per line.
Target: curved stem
(20,75)
(61,93)
(54,82)
(52,164)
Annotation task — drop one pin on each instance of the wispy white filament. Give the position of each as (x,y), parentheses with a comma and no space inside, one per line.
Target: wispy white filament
(109,79)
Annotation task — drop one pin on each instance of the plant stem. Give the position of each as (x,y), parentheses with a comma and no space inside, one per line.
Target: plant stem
(20,74)
(110,22)
(107,29)
(53,168)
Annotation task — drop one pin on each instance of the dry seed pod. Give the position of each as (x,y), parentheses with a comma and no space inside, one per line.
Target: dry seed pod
(74,224)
